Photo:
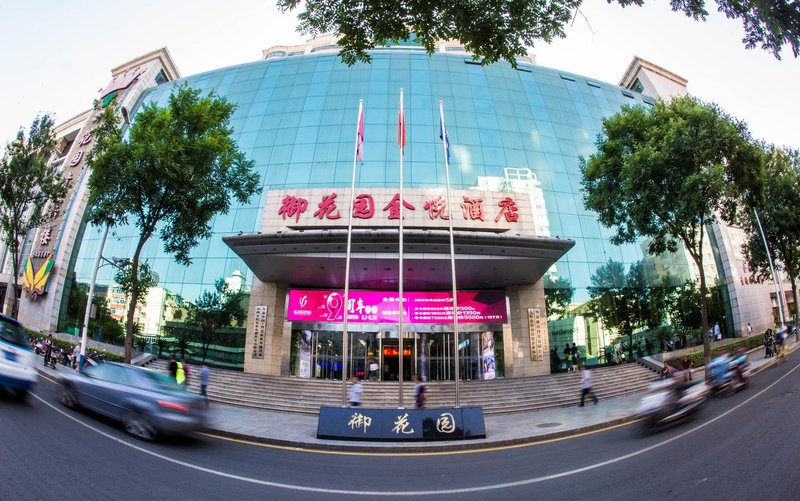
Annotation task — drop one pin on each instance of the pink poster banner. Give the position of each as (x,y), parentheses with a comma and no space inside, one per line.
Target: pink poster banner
(383,306)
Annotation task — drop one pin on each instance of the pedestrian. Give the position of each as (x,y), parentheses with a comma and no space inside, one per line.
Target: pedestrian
(717,332)
(185,369)
(180,374)
(205,374)
(576,357)
(373,369)
(173,366)
(76,355)
(48,349)
(686,367)
(420,392)
(665,371)
(354,397)
(749,329)
(768,343)
(568,357)
(586,386)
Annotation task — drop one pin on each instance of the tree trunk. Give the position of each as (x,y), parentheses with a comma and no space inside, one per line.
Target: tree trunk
(698,259)
(133,301)
(796,322)
(12,305)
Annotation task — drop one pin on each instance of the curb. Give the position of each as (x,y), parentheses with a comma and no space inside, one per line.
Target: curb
(414,448)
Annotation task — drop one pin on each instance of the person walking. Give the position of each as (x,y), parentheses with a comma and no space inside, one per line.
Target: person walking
(185,369)
(356,389)
(749,329)
(686,367)
(180,374)
(576,357)
(48,349)
(717,332)
(586,386)
(173,366)
(568,357)
(205,375)
(420,392)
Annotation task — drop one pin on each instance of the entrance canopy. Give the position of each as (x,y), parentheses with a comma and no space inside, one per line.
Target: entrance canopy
(316,258)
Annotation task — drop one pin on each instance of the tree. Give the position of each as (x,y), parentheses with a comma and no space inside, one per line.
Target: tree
(27,184)
(780,220)
(558,294)
(215,310)
(667,172)
(172,171)
(146,276)
(620,299)
(494,30)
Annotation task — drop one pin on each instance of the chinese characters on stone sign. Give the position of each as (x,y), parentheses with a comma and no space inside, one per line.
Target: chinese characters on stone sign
(359,421)
(445,423)
(364,208)
(401,425)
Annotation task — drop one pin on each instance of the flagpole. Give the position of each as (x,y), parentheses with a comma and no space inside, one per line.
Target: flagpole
(345,344)
(452,246)
(401,140)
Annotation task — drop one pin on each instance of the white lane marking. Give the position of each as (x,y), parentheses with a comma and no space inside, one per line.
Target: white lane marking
(463,490)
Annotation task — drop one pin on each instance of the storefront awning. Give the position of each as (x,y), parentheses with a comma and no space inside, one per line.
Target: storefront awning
(316,258)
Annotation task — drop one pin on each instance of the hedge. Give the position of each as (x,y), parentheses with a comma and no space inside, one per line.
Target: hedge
(696,357)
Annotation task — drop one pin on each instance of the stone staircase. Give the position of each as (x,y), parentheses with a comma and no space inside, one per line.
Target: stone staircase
(499,396)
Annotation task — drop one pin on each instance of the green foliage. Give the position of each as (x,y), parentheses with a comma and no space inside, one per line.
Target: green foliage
(697,359)
(148,278)
(214,311)
(666,172)
(779,218)
(620,299)
(27,185)
(558,295)
(662,334)
(494,30)
(172,171)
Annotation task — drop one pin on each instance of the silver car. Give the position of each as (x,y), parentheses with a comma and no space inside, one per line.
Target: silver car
(147,402)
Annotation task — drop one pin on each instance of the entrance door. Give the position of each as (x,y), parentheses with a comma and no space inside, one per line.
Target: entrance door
(390,353)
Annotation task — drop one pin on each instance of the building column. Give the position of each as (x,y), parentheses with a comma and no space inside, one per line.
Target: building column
(266,350)
(530,348)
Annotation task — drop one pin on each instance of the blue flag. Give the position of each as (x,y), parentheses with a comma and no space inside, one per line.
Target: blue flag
(443,136)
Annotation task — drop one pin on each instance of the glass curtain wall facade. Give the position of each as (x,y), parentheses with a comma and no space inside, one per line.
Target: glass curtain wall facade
(521,130)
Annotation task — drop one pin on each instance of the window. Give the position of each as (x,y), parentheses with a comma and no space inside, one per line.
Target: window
(161,77)
(326,47)
(637,86)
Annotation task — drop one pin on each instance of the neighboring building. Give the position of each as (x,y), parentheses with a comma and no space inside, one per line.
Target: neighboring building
(515,139)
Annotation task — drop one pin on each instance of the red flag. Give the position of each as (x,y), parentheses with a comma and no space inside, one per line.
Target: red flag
(401,130)
(360,146)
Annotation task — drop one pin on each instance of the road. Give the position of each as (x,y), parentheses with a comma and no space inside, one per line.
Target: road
(744,446)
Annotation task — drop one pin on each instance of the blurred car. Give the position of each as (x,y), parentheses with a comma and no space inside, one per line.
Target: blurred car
(147,402)
(17,362)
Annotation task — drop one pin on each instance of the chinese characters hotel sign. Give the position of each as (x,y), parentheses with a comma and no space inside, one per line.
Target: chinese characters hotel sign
(380,207)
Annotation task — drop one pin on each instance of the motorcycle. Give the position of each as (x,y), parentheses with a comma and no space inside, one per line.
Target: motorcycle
(671,400)
(728,374)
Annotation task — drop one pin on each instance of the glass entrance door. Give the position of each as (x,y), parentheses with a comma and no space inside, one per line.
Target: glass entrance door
(390,354)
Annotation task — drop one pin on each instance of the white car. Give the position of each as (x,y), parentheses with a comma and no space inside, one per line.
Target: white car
(17,362)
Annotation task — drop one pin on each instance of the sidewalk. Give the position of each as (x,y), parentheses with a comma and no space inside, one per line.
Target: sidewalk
(300,431)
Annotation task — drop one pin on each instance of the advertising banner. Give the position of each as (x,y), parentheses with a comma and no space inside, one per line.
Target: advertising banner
(383,306)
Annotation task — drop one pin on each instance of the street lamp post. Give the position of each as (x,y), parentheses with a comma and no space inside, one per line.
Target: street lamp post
(87,314)
(775,278)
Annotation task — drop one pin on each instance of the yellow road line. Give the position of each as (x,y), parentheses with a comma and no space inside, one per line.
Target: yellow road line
(417,454)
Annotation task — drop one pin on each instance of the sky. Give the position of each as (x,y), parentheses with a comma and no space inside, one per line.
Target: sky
(57,55)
